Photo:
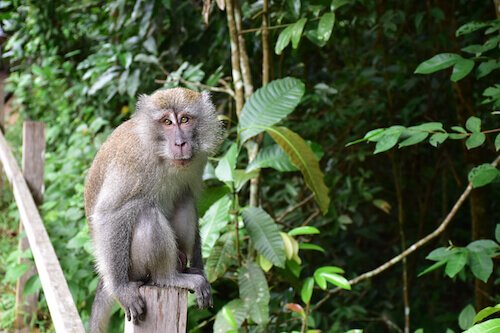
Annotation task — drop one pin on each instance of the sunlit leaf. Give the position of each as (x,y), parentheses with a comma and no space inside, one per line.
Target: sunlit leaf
(307,290)
(297,29)
(214,220)
(268,105)
(303,157)
(438,62)
(325,26)
(283,39)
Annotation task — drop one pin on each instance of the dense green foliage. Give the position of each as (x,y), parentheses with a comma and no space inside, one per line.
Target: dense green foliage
(387,72)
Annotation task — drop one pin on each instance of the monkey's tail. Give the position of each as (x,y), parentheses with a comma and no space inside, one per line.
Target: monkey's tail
(101,310)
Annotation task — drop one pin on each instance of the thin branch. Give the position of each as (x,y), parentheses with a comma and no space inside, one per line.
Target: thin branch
(266,53)
(244,61)
(292,208)
(412,248)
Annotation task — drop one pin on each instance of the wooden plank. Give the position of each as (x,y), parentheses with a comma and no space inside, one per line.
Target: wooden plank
(61,305)
(166,311)
(33,167)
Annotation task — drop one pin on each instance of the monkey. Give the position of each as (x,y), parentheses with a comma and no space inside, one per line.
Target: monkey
(140,196)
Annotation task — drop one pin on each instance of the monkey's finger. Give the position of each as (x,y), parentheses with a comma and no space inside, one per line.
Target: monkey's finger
(127,311)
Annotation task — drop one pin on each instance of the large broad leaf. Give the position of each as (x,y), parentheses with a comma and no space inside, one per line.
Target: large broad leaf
(265,235)
(254,291)
(214,220)
(225,169)
(221,256)
(232,314)
(489,326)
(303,157)
(268,105)
(272,157)
(438,62)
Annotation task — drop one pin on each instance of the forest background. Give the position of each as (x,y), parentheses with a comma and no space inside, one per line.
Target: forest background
(294,215)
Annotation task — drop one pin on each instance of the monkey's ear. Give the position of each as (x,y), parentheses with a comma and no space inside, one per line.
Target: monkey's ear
(206,98)
(143,102)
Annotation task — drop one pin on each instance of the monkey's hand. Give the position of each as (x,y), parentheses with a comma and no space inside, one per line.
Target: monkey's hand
(203,293)
(131,301)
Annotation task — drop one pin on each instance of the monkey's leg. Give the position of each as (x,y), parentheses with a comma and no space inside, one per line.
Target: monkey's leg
(193,282)
(101,310)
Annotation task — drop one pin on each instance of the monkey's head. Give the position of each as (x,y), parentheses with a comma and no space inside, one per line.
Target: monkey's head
(179,123)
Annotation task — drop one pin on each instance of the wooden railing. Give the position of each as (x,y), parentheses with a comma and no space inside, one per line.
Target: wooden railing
(166,307)
(59,300)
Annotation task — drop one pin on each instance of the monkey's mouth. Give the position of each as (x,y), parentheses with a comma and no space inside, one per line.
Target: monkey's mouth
(181,163)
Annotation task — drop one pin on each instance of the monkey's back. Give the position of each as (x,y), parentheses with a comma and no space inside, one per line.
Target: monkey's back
(124,147)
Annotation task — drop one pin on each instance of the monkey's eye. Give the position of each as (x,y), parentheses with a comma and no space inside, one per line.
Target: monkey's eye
(168,121)
(184,120)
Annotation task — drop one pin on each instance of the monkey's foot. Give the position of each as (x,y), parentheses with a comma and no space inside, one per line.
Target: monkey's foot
(131,301)
(194,282)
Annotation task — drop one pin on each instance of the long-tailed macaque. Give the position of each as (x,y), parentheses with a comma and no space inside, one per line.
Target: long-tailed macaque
(140,201)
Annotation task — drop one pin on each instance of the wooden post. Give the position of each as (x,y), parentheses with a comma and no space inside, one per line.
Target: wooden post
(2,120)
(55,288)
(166,311)
(33,167)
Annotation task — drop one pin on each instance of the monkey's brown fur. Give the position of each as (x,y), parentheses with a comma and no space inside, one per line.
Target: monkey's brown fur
(139,201)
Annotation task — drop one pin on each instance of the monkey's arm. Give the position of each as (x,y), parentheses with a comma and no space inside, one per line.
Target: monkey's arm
(113,219)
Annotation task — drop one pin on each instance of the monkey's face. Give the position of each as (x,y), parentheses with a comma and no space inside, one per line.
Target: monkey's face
(177,131)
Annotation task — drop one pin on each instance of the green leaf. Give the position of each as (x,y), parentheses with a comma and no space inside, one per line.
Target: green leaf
(241,177)
(475,140)
(487,67)
(481,265)
(209,196)
(254,291)
(214,220)
(325,26)
(497,142)
(455,136)
(227,164)
(297,29)
(336,4)
(490,326)
(283,39)
(265,235)
(497,233)
(32,286)
(473,124)
(486,246)
(428,127)
(307,290)
(302,156)
(235,311)
(482,175)
(337,280)
(386,142)
(268,105)
(466,317)
(470,27)
(438,62)
(456,263)
(309,246)
(459,129)
(272,157)
(102,81)
(414,139)
(329,269)
(440,253)
(306,230)
(438,138)
(486,312)
(461,69)
(221,257)
(433,267)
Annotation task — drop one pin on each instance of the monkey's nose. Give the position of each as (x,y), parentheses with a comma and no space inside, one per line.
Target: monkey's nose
(180,143)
